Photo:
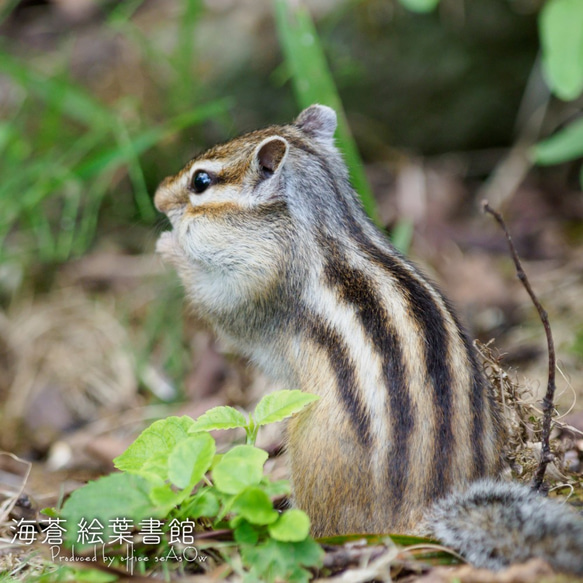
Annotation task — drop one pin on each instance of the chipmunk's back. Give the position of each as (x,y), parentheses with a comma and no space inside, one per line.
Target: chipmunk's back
(277,254)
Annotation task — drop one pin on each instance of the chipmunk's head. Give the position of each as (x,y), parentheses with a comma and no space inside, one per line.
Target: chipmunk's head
(236,208)
(245,172)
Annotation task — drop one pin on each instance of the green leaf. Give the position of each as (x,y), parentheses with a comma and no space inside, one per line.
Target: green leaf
(292,526)
(254,505)
(218,457)
(268,561)
(226,501)
(245,534)
(281,404)
(277,488)
(114,496)
(275,560)
(420,5)
(313,83)
(561,35)
(155,468)
(204,503)
(308,552)
(157,440)
(219,418)
(239,468)
(565,145)
(163,496)
(190,460)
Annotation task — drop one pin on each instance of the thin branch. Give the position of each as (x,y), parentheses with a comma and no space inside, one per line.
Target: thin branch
(548,401)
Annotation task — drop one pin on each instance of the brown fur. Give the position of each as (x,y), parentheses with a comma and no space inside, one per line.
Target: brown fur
(279,257)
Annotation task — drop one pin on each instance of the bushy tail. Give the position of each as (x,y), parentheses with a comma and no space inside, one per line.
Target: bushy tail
(493,524)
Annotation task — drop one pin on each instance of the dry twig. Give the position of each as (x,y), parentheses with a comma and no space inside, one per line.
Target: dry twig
(548,401)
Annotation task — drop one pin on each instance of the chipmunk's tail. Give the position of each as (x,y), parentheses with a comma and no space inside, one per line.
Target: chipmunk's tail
(493,524)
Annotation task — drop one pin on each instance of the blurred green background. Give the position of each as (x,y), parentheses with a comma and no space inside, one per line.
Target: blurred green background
(440,105)
(101,100)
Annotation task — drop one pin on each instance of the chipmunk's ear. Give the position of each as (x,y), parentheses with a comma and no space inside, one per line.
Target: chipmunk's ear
(319,122)
(270,154)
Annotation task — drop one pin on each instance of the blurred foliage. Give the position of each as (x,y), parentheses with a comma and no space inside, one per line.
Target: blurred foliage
(578,343)
(313,83)
(561,31)
(420,5)
(561,147)
(72,159)
(62,150)
(446,81)
(561,42)
(160,469)
(77,166)
(80,162)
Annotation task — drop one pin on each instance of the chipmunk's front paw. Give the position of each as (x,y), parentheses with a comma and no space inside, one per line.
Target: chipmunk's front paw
(167,246)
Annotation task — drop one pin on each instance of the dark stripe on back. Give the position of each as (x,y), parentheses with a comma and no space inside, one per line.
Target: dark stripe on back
(358,291)
(329,340)
(477,402)
(431,324)
(430,320)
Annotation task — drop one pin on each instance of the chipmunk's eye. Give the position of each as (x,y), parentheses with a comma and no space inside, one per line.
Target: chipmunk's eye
(201,181)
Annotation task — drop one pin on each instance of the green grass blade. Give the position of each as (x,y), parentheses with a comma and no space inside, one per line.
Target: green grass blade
(114,157)
(66,234)
(20,191)
(74,102)
(313,83)
(89,160)
(41,228)
(184,52)
(128,152)
(88,221)
(402,234)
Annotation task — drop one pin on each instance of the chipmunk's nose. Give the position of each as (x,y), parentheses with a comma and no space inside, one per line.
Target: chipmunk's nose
(168,195)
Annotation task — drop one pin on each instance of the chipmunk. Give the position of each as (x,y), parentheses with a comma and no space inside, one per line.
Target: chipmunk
(277,254)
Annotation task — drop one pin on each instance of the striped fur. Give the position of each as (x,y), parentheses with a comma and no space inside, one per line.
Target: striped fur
(285,265)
